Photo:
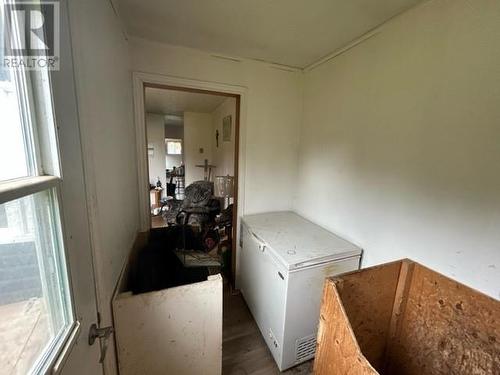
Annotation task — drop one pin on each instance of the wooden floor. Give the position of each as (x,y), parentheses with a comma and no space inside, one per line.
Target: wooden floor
(244,351)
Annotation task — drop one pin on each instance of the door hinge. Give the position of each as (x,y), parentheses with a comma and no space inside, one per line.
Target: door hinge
(103,335)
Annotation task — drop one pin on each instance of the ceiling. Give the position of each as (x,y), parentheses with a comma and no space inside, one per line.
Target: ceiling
(291,32)
(172,102)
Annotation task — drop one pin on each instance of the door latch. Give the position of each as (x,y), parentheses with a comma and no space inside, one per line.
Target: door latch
(103,335)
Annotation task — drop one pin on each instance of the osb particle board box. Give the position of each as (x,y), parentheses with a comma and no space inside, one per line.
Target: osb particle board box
(403,318)
(174,331)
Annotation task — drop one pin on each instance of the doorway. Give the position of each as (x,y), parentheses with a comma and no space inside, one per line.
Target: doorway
(192,147)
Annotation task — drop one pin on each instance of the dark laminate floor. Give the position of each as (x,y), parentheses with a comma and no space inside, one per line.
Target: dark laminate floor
(244,351)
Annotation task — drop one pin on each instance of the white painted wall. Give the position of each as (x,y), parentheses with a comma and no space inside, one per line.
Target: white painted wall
(223,155)
(197,134)
(400,142)
(271,117)
(155,126)
(104,91)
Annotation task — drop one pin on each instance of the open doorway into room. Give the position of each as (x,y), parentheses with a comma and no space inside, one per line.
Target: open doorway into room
(192,154)
(189,218)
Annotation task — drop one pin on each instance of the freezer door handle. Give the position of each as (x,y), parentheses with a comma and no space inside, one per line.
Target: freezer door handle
(262,244)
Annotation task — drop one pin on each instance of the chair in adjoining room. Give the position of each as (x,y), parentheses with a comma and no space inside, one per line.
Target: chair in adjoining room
(199,207)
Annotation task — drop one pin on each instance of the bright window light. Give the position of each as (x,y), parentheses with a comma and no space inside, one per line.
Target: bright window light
(174,146)
(13,158)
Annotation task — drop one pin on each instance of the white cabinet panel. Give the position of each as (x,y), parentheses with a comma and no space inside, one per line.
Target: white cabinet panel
(174,331)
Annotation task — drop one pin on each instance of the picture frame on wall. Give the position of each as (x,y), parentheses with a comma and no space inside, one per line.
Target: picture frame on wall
(226,128)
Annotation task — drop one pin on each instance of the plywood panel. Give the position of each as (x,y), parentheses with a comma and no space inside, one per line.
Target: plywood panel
(175,331)
(337,351)
(433,325)
(368,299)
(447,328)
(399,307)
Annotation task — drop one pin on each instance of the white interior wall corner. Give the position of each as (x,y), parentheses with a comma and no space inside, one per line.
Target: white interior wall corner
(399,142)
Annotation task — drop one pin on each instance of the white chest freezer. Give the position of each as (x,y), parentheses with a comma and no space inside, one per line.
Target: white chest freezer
(283,263)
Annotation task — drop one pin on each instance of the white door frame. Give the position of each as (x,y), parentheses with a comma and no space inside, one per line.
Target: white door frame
(140,79)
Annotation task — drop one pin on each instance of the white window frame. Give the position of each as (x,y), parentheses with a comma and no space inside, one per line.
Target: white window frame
(34,92)
(176,140)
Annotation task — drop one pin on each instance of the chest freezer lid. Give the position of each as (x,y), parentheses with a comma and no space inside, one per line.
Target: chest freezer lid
(297,242)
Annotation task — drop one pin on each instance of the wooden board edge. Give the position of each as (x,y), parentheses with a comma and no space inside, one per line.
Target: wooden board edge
(140,240)
(399,307)
(330,292)
(377,266)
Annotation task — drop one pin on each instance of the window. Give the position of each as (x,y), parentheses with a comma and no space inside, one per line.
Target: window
(13,158)
(35,307)
(36,312)
(174,146)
